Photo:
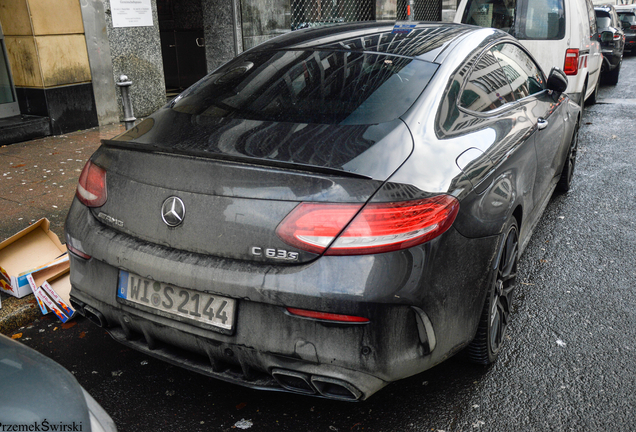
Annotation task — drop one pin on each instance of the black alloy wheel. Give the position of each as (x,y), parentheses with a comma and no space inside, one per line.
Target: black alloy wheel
(495,316)
(565,182)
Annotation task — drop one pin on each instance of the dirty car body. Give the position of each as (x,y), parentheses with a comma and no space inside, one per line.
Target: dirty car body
(331,211)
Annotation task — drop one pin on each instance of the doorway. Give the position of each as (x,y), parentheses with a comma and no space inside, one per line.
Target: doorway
(182,43)
(8,100)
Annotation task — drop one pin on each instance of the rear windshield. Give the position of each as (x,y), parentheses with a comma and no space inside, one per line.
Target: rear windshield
(524,19)
(629,17)
(603,19)
(324,87)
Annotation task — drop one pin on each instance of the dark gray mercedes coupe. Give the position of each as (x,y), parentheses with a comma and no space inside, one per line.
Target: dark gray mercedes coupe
(333,210)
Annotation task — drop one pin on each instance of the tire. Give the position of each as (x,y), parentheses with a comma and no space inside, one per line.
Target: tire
(495,315)
(594,96)
(612,76)
(565,182)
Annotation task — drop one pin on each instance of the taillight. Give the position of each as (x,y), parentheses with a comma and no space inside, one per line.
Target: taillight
(617,37)
(91,189)
(325,316)
(571,66)
(632,27)
(377,228)
(75,246)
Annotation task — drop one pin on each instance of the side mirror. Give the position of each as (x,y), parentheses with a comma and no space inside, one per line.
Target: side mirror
(607,36)
(557,80)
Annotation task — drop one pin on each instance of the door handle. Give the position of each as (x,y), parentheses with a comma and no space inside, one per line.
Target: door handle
(542,123)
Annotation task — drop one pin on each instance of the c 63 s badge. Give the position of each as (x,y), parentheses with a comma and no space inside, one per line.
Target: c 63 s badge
(272,253)
(111,220)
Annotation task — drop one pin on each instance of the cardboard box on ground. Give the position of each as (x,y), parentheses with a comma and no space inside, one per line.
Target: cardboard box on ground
(34,260)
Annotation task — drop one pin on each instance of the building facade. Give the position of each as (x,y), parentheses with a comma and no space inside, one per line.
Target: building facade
(60,59)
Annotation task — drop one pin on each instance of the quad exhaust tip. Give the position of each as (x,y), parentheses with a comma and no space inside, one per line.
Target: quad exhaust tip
(331,388)
(93,315)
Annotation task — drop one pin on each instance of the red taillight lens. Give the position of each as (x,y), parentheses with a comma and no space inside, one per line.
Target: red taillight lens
(327,316)
(571,66)
(617,37)
(78,252)
(379,227)
(91,190)
(632,27)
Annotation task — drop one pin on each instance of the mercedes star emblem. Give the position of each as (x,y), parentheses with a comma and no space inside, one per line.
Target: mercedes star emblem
(173,211)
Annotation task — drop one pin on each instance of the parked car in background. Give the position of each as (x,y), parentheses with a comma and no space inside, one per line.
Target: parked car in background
(333,210)
(37,393)
(558,33)
(627,15)
(612,38)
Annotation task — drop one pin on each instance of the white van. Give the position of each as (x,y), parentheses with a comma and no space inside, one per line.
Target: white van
(558,33)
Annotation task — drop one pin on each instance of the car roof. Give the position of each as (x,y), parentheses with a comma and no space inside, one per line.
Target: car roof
(421,40)
(605,7)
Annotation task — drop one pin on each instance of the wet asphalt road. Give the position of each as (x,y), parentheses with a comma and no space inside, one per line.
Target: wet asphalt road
(569,363)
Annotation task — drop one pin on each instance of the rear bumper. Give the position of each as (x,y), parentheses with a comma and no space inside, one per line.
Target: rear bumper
(423,304)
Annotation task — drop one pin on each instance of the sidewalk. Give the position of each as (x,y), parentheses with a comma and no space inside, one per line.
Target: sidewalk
(38,179)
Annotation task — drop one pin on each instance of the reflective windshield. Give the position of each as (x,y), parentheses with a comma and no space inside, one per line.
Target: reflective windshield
(629,17)
(524,19)
(325,87)
(603,19)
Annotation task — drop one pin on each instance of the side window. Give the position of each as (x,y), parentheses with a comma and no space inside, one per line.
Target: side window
(487,87)
(491,13)
(524,75)
(542,20)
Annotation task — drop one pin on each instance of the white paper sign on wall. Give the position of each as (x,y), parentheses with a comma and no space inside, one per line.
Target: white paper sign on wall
(131,13)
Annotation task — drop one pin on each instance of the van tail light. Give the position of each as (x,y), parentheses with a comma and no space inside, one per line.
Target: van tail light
(91,189)
(377,228)
(617,37)
(632,27)
(571,66)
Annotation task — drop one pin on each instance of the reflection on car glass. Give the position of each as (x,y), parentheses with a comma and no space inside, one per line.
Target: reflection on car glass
(487,87)
(524,76)
(325,87)
(412,44)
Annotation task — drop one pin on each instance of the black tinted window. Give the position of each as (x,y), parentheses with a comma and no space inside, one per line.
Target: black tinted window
(628,17)
(603,22)
(603,19)
(524,19)
(325,87)
(524,75)
(487,86)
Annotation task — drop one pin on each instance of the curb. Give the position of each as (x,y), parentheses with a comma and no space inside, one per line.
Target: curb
(16,313)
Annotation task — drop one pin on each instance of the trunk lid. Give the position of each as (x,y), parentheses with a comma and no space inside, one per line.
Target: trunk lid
(238,179)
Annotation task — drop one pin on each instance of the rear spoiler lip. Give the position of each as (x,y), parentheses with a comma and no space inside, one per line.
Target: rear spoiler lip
(154,148)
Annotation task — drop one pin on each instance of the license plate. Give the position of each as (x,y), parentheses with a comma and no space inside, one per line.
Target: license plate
(204,308)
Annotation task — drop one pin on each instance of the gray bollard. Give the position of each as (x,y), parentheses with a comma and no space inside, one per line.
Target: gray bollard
(123,84)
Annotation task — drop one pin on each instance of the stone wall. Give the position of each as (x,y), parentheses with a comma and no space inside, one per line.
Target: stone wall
(136,53)
(220,33)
